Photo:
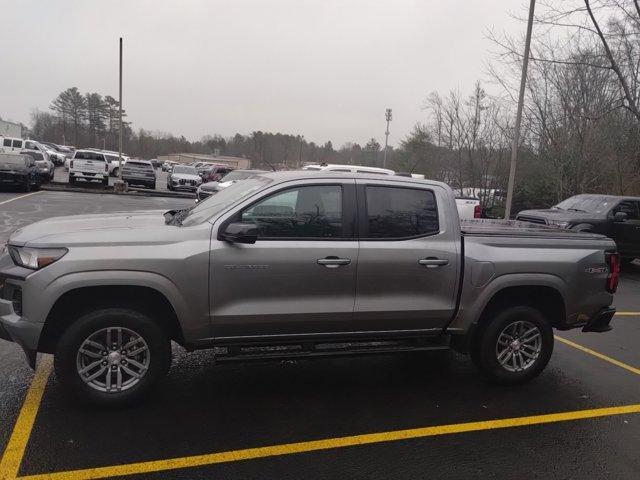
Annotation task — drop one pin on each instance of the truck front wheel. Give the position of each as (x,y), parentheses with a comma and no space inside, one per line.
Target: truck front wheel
(514,345)
(112,356)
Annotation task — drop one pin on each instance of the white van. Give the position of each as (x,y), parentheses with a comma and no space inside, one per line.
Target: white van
(16,145)
(332,167)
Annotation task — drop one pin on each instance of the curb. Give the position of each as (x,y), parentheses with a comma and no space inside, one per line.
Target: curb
(65,187)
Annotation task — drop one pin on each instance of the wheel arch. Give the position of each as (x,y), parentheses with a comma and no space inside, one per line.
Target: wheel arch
(77,299)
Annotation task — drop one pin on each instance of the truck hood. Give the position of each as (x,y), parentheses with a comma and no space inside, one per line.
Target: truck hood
(146,226)
(558,215)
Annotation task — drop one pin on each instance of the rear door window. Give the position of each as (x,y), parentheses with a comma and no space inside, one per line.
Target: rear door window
(6,142)
(395,212)
(17,144)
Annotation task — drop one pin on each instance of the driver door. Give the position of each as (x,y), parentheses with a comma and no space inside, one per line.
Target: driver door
(627,234)
(299,276)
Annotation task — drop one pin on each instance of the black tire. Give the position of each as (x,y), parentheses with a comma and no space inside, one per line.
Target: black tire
(72,180)
(152,186)
(27,186)
(65,360)
(169,187)
(484,348)
(114,172)
(105,181)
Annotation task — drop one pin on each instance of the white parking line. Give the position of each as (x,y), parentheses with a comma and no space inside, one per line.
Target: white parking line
(18,198)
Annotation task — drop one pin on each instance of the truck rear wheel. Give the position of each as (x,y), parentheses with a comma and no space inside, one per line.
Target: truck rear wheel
(112,356)
(514,345)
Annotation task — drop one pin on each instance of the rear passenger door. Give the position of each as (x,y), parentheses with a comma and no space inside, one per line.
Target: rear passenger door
(407,275)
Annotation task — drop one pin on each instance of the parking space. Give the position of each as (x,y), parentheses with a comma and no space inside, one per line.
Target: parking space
(427,415)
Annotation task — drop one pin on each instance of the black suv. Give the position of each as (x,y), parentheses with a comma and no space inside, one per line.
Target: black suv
(615,217)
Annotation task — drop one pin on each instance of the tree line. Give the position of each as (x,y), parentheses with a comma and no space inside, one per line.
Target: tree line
(580,132)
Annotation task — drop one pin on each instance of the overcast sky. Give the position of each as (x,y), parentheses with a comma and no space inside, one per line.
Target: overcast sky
(326,69)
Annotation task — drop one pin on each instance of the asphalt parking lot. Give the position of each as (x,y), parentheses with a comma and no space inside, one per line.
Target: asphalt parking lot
(388,417)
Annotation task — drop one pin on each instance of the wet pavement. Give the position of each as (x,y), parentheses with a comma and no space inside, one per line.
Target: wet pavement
(202,408)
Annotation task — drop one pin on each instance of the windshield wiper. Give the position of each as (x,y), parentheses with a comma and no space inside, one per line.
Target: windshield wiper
(576,210)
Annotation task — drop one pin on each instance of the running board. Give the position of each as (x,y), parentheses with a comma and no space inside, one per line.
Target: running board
(285,351)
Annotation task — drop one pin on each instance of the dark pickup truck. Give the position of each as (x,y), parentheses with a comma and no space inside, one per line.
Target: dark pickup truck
(616,217)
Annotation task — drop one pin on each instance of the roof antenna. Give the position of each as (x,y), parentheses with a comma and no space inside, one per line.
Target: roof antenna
(272,167)
(414,166)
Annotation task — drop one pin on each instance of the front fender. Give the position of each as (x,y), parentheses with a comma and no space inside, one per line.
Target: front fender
(39,310)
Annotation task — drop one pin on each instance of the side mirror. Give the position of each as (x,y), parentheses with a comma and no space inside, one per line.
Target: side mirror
(620,217)
(240,233)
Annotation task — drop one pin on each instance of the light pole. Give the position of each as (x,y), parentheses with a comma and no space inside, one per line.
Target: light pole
(388,116)
(119,185)
(516,128)
(120,117)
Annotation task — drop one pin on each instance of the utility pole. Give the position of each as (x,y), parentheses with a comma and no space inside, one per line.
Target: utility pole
(387,115)
(516,128)
(120,116)
(119,185)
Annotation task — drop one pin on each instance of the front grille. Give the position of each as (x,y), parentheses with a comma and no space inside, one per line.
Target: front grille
(187,182)
(531,219)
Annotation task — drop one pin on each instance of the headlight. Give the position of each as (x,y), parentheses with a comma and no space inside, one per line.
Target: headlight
(35,258)
(558,224)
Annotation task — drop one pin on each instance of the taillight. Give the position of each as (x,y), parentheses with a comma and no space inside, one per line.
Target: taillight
(477,211)
(71,164)
(106,167)
(613,260)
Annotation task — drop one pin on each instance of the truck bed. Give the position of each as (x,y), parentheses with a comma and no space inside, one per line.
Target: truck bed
(493,227)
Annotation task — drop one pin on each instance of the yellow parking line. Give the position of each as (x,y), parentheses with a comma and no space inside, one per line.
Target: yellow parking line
(18,198)
(599,355)
(326,444)
(12,457)
(627,314)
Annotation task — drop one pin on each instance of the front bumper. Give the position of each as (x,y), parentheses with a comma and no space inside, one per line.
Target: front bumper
(15,328)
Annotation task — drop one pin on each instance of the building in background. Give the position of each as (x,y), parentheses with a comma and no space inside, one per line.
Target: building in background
(10,129)
(235,162)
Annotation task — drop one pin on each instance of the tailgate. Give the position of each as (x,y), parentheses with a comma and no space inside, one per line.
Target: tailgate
(89,166)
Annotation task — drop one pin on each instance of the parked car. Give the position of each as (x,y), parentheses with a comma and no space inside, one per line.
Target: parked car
(468,208)
(616,217)
(46,168)
(207,189)
(167,166)
(213,173)
(56,153)
(296,264)
(330,167)
(139,172)
(89,165)
(183,177)
(20,171)
(114,163)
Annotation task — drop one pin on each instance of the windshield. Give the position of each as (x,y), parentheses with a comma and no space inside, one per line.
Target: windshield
(203,211)
(237,175)
(185,169)
(587,203)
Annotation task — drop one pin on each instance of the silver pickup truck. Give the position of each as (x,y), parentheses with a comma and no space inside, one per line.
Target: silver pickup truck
(297,264)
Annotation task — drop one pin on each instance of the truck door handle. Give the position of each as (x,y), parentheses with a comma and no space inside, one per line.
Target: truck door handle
(433,262)
(333,262)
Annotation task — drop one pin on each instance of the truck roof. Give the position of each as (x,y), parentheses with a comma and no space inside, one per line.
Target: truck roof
(288,175)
